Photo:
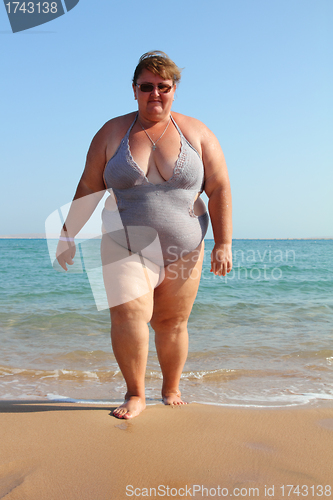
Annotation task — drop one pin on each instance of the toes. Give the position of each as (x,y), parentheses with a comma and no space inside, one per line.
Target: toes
(120,412)
(173,400)
(131,408)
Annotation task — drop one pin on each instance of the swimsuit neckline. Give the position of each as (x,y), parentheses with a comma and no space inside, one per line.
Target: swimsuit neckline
(139,169)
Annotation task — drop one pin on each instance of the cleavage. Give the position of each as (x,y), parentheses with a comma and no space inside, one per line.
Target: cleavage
(156,166)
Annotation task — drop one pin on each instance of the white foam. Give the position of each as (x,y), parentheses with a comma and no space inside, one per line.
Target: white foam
(56,398)
(239,402)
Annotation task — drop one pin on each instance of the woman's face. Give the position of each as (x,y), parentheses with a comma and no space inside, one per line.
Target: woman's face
(154,105)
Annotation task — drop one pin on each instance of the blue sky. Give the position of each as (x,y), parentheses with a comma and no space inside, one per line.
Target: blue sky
(258,73)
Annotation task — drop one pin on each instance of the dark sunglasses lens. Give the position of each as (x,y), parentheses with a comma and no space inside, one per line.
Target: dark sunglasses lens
(146,87)
(164,88)
(149,87)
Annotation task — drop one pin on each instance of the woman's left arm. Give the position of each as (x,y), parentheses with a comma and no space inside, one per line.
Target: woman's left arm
(217,188)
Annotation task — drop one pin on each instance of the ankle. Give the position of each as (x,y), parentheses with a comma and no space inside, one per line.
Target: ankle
(170,392)
(135,394)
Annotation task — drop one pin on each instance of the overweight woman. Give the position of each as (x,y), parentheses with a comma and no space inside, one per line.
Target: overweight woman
(155,163)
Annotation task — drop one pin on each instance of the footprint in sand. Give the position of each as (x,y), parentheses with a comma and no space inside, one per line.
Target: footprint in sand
(12,475)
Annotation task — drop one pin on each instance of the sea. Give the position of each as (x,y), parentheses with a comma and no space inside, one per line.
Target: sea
(260,337)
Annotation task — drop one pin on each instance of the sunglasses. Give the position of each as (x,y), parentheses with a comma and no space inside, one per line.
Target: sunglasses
(149,87)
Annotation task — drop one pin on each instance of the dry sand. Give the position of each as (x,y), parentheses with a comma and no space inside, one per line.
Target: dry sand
(52,451)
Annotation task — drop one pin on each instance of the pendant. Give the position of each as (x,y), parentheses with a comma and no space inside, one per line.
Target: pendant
(154,147)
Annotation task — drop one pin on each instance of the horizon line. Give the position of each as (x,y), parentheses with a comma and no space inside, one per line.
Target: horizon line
(42,236)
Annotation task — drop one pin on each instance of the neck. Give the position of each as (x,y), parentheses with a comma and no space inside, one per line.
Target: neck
(147,122)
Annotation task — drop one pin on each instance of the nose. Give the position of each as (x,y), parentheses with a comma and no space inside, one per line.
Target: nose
(155,91)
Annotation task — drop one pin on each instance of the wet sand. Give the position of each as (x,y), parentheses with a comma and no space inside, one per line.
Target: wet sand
(53,451)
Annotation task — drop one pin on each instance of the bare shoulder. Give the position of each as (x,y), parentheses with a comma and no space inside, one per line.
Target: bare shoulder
(195,131)
(106,141)
(208,146)
(187,123)
(119,122)
(111,133)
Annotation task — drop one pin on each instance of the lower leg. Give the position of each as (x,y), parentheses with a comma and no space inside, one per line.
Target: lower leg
(173,301)
(172,347)
(130,339)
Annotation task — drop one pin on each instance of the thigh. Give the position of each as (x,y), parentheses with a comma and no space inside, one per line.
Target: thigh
(127,276)
(174,297)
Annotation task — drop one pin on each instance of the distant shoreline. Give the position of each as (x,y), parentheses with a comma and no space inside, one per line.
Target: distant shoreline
(43,237)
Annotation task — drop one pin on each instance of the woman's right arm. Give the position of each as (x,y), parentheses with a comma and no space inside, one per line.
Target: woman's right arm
(89,192)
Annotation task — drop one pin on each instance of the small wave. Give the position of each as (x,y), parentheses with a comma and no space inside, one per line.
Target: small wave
(277,401)
(56,398)
(322,354)
(80,355)
(227,375)
(221,375)
(59,374)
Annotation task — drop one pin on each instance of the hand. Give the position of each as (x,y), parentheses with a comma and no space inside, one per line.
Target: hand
(65,253)
(221,259)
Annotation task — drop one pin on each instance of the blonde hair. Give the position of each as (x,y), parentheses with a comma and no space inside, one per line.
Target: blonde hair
(159,63)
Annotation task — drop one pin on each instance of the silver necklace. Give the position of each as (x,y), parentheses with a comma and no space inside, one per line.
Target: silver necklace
(160,137)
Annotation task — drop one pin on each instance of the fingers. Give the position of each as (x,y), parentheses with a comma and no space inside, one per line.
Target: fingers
(65,254)
(221,259)
(221,268)
(63,261)
(63,265)
(70,261)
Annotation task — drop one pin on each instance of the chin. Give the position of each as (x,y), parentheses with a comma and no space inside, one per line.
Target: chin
(156,110)
(155,105)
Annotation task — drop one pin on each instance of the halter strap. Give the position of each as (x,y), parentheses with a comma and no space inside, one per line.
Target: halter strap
(136,117)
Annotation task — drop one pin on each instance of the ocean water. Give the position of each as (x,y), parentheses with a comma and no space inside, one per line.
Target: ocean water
(262,336)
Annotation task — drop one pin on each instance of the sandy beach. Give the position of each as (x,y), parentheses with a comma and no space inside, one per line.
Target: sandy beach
(53,451)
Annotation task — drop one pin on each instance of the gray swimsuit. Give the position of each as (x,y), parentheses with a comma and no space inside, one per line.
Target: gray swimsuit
(165,209)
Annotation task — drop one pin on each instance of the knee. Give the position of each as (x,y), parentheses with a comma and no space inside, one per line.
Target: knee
(130,312)
(169,324)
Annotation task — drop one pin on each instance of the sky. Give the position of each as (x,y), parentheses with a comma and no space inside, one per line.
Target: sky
(258,73)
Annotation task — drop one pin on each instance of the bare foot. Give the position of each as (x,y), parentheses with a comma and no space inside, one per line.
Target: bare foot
(173,398)
(131,407)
